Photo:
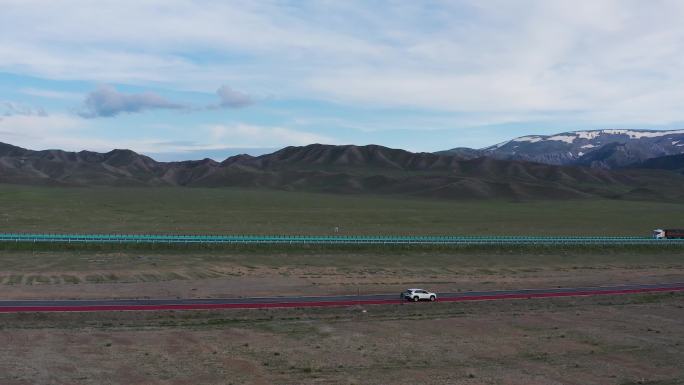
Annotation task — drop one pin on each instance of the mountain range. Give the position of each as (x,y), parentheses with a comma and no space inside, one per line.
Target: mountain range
(609,149)
(345,169)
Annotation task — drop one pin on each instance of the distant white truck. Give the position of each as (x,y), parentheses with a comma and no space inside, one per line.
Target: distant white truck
(416,295)
(668,233)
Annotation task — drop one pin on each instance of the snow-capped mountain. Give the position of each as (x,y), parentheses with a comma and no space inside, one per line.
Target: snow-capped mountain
(599,148)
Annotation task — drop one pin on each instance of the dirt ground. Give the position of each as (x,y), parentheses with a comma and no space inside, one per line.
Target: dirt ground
(264,282)
(622,340)
(62,275)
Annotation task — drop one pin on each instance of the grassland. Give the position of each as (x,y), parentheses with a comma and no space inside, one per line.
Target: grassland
(609,340)
(237,211)
(67,271)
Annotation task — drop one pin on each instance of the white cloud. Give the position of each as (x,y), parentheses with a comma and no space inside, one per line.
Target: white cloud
(64,132)
(40,131)
(246,135)
(50,94)
(156,42)
(71,133)
(598,61)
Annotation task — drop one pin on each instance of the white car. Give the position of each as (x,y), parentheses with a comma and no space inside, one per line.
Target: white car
(416,295)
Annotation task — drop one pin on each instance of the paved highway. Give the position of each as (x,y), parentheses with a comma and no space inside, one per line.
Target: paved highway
(14,306)
(331,240)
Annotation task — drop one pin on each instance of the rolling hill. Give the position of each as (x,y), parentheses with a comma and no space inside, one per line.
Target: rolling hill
(342,169)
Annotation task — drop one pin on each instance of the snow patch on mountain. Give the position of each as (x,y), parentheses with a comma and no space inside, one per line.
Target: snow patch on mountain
(634,134)
(608,148)
(571,137)
(563,138)
(589,135)
(531,139)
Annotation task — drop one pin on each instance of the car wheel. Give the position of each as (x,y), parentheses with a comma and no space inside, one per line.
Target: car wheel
(432,298)
(415,299)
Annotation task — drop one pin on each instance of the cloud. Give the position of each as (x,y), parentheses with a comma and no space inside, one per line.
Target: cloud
(65,132)
(607,61)
(215,154)
(230,98)
(42,131)
(247,135)
(12,109)
(133,42)
(71,133)
(50,94)
(106,101)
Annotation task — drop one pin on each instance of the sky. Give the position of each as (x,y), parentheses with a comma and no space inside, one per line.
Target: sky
(181,79)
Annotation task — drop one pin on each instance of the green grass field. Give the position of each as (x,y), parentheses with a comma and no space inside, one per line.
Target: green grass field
(237,211)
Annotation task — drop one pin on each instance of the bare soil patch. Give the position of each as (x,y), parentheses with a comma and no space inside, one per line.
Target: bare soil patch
(63,275)
(608,340)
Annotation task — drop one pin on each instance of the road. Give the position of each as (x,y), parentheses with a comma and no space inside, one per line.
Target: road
(332,240)
(15,306)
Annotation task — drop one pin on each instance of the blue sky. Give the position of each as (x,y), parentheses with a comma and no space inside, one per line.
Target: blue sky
(180,79)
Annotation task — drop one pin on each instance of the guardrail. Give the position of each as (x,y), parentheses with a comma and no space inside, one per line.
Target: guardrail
(327,240)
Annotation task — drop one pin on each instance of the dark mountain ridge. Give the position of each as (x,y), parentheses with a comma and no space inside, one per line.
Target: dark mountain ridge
(670,162)
(340,169)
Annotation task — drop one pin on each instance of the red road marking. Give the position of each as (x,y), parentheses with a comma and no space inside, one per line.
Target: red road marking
(90,308)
